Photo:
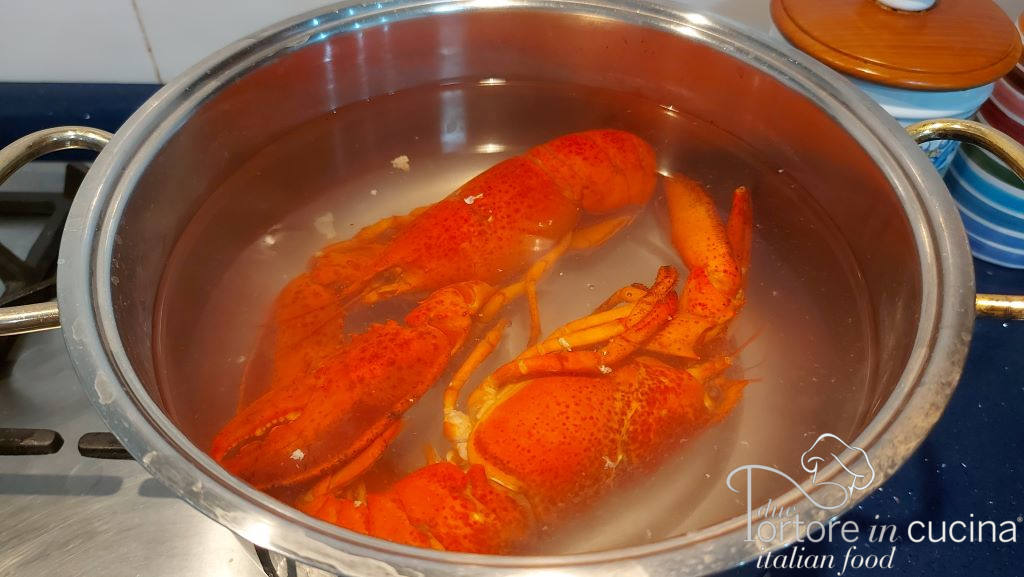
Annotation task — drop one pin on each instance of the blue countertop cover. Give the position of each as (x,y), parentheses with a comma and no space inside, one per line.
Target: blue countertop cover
(971,464)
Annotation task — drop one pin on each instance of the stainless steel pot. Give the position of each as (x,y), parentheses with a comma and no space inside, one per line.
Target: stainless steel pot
(154,173)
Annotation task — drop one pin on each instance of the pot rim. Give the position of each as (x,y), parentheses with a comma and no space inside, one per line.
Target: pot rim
(84,291)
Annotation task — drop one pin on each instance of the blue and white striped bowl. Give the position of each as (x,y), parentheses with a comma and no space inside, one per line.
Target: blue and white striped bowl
(991,207)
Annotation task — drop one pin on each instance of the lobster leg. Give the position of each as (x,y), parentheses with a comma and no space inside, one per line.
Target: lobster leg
(457,424)
(531,279)
(582,239)
(585,238)
(589,330)
(645,319)
(606,322)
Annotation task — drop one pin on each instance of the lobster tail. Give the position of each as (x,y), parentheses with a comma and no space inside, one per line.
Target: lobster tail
(439,506)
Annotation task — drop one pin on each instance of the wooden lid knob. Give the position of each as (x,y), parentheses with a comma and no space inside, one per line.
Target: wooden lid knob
(954,45)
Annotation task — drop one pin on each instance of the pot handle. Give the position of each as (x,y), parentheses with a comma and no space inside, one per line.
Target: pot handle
(1009,151)
(42,316)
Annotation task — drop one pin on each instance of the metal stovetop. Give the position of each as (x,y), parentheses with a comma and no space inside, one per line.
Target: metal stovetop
(65,514)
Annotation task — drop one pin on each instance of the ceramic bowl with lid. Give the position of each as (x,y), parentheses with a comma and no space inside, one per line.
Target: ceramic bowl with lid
(919,59)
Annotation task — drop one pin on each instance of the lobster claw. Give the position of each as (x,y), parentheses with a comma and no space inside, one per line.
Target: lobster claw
(342,414)
(329,417)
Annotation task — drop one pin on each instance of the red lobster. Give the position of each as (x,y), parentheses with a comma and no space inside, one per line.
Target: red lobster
(325,408)
(606,398)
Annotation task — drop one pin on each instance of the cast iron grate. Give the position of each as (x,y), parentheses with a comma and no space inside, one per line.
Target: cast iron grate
(33,280)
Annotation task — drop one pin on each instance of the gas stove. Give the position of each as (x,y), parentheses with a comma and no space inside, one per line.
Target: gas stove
(73,502)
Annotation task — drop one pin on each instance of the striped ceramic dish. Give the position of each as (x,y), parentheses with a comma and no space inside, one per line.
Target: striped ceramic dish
(991,203)
(989,195)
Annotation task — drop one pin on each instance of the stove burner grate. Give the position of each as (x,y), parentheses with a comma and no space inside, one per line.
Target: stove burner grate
(33,280)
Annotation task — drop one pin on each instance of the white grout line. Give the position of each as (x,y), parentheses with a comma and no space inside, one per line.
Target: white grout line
(145,39)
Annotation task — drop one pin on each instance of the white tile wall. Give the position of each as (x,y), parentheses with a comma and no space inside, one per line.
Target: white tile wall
(155,40)
(182,32)
(72,41)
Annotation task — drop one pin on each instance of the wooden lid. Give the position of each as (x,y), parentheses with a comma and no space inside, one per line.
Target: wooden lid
(1020,31)
(954,45)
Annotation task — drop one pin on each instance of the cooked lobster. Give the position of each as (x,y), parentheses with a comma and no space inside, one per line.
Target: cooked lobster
(331,401)
(604,399)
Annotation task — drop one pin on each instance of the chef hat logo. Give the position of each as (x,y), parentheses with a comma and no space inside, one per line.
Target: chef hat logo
(856,472)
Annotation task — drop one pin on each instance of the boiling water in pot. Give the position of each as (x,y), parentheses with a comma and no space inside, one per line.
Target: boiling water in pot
(806,321)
